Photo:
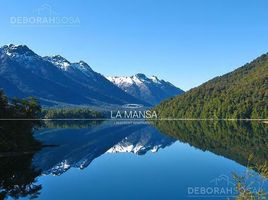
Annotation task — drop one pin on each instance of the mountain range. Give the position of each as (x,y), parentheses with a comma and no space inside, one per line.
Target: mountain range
(151,90)
(56,81)
(240,94)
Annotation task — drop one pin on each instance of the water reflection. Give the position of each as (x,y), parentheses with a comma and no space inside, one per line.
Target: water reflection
(78,147)
(233,140)
(17,147)
(77,144)
(17,136)
(18,177)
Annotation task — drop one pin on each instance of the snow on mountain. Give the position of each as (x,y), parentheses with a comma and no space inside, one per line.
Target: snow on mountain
(55,80)
(126,147)
(17,51)
(58,61)
(141,142)
(79,147)
(66,65)
(20,53)
(151,90)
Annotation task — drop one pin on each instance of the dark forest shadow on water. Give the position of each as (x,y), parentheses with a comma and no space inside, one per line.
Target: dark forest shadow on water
(242,141)
(18,177)
(17,137)
(17,148)
(231,139)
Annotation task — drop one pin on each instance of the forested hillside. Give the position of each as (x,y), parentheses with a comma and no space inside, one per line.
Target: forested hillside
(242,93)
(17,135)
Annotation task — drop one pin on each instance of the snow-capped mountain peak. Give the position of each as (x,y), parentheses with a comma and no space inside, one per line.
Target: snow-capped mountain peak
(17,51)
(12,48)
(54,80)
(59,61)
(141,76)
(64,64)
(129,80)
(118,80)
(155,79)
(151,90)
(20,53)
(83,66)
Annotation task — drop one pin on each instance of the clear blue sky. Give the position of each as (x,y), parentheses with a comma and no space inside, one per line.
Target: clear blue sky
(185,42)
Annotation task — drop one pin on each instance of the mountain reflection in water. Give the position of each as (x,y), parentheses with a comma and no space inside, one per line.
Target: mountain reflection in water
(77,144)
(78,147)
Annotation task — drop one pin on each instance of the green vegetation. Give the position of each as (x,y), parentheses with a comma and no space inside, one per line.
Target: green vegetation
(241,94)
(17,147)
(16,136)
(250,185)
(18,108)
(233,140)
(70,113)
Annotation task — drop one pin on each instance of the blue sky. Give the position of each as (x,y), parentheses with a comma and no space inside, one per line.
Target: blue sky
(186,42)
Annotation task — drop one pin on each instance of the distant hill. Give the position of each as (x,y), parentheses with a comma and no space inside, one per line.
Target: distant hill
(242,93)
(151,90)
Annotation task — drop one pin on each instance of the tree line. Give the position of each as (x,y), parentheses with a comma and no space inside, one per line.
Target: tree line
(70,113)
(241,94)
(17,135)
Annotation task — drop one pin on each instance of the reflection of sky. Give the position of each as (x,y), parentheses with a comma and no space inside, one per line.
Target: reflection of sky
(78,147)
(163,175)
(184,41)
(166,174)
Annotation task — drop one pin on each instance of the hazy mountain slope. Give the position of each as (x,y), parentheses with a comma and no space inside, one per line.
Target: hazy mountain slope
(151,90)
(242,93)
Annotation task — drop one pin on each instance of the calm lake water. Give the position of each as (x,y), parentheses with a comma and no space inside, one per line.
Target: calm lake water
(110,160)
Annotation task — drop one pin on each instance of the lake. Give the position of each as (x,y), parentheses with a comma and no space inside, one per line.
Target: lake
(136,160)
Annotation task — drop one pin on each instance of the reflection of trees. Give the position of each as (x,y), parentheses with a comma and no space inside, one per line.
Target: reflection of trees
(17,177)
(71,123)
(234,140)
(17,146)
(17,136)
